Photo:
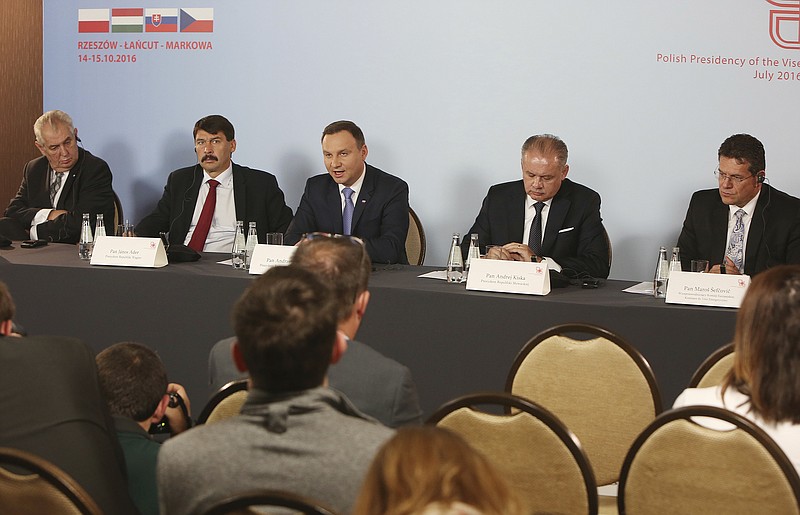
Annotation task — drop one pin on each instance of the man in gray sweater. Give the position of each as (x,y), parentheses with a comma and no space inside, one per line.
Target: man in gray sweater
(294,433)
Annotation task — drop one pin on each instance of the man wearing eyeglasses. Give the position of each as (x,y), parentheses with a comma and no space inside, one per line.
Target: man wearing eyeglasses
(201,203)
(744,225)
(58,187)
(544,215)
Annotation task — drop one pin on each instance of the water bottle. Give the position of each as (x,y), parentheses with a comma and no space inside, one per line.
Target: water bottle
(455,264)
(99,227)
(661,275)
(252,241)
(86,243)
(474,252)
(239,250)
(675,262)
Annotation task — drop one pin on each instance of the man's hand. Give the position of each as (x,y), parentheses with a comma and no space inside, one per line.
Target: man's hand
(178,423)
(730,268)
(55,213)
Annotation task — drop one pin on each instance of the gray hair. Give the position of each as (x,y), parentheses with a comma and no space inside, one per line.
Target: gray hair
(51,118)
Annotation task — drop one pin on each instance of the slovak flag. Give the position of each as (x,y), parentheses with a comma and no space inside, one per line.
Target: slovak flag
(197,19)
(161,20)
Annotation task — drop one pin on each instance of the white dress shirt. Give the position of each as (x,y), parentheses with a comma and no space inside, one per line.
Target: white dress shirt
(223,224)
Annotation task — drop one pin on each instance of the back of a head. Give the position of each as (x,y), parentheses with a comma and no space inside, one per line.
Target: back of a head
(7,308)
(342,263)
(744,148)
(132,378)
(427,465)
(285,323)
(767,345)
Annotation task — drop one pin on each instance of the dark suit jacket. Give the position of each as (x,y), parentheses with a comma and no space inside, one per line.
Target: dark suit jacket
(378,386)
(52,405)
(256,195)
(773,237)
(380,217)
(87,190)
(574,235)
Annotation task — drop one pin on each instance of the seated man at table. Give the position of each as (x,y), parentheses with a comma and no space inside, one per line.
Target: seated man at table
(544,215)
(134,383)
(58,187)
(52,407)
(293,433)
(201,203)
(375,384)
(354,198)
(744,225)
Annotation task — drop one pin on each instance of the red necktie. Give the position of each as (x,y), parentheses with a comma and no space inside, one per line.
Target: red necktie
(198,240)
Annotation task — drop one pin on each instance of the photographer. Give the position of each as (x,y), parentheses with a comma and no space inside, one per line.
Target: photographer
(134,383)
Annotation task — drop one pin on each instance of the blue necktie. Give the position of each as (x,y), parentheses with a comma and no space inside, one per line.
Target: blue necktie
(535,236)
(736,246)
(347,215)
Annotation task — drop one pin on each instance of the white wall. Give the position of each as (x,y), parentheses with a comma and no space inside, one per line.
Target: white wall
(446,92)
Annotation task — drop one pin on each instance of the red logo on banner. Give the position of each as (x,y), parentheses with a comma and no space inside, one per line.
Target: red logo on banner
(156,20)
(784,23)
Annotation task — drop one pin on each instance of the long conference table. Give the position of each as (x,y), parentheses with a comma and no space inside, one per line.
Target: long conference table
(454,341)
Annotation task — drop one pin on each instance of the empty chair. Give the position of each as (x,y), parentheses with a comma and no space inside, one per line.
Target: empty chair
(703,459)
(239,504)
(602,389)
(541,459)
(415,239)
(712,371)
(226,403)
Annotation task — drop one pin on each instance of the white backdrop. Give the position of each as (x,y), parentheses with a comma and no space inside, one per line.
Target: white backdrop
(446,92)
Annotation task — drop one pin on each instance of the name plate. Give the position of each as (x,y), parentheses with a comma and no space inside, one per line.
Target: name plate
(119,251)
(509,276)
(719,290)
(266,256)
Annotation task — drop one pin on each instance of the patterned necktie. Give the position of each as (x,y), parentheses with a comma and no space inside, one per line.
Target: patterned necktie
(58,177)
(736,246)
(198,241)
(535,236)
(347,215)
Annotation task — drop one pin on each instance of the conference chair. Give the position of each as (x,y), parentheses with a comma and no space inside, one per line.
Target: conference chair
(226,403)
(601,388)
(541,459)
(714,368)
(240,503)
(608,242)
(415,240)
(703,459)
(30,485)
(118,216)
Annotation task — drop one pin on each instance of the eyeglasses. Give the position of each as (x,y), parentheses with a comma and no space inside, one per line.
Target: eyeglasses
(318,235)
(722,176)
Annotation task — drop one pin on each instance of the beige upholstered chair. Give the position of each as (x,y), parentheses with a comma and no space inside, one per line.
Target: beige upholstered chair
(679,466)
(240,504)
(415,240)
(226,403)
(36,486)
(118,216)
(541,459)
(713,370)
(602,389)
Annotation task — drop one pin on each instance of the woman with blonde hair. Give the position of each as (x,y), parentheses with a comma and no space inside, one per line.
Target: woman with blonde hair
(432,471)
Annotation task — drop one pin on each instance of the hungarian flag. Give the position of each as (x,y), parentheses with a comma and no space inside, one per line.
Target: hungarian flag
(161,20)
(197,19)
(92,20)
(127,20)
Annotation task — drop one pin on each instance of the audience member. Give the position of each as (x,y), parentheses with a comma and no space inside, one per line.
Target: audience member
(201,203)
(294,433)
(544,215)
(764,383)
(429,470)
(376,385)
(354,198)
(744,225)
(134,382)
(58,187)
(52,405)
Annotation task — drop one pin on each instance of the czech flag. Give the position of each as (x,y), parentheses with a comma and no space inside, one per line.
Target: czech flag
(161,20)
(93,20)
(197,19)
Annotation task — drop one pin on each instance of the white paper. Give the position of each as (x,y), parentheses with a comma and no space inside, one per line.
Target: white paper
(134,251)
(436,274)
(644,288)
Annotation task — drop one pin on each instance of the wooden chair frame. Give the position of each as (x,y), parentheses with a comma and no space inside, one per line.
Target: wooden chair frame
(709,363)
(268,498)
(414,219)
(224,392)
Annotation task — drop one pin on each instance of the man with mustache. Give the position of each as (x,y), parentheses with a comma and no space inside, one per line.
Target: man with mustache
(202,203)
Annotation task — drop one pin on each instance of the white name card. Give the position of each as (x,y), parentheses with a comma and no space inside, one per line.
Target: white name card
(719,290)
(509,276)
(267,256)
(119,251)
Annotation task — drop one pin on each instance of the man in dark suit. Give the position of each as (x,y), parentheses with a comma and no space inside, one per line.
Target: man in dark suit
(354,198)
(59,187)
(744,225)
(53,408)
(379,386)
(202,203)
(544,216)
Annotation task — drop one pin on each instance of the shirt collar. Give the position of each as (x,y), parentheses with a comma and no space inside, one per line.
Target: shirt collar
(223,179)
(356,187)
(749,208)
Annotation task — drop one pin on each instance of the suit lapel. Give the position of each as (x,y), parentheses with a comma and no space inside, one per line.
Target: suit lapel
(367,189)
(69,182)
(240,194)
(555,218)
(515,221)
(756,231)
(719,218)
(189,201)
(333,206)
